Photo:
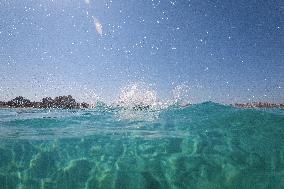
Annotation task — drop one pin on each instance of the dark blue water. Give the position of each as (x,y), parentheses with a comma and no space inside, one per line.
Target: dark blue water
(202,146)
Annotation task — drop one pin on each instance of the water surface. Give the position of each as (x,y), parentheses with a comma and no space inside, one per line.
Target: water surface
(202,146)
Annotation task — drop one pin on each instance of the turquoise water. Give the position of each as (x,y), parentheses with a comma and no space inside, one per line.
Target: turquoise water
(202,146)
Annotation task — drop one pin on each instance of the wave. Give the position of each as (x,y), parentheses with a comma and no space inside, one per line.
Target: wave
(207,116)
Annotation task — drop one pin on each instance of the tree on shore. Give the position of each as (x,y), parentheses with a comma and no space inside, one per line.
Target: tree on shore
(66,102)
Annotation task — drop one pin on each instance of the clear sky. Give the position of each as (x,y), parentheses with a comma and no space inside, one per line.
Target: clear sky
(223,50)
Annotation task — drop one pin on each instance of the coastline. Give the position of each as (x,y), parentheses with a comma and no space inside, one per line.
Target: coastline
(68,102)
(64,102)
(259,105)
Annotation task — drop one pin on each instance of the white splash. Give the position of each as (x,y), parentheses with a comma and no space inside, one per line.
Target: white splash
(87,2)
(181,95)
(99,27)
(137,95)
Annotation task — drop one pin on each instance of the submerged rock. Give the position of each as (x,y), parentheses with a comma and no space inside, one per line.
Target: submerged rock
(75,175)
(43,165)
(8,181)
(5,157)
(30,184)
(150,181)
(105,180)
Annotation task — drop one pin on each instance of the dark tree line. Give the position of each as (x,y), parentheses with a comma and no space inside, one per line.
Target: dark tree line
(260,105)
(66,102)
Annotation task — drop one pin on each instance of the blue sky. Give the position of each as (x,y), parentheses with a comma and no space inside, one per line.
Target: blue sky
(224,51)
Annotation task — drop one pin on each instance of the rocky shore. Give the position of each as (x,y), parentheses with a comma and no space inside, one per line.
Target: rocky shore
(65,102)
(259,105)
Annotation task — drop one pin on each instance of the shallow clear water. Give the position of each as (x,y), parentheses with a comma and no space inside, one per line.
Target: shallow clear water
(202,146)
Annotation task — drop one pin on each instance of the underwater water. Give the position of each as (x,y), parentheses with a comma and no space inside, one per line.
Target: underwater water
(201,146)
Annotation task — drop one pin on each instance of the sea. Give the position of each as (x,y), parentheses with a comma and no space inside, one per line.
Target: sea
(201,146)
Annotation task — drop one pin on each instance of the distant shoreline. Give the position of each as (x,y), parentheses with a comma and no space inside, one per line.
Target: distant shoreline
(64,102)
(68,102)
(259,105)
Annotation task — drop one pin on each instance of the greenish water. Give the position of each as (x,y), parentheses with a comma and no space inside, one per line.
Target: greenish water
(203,146)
